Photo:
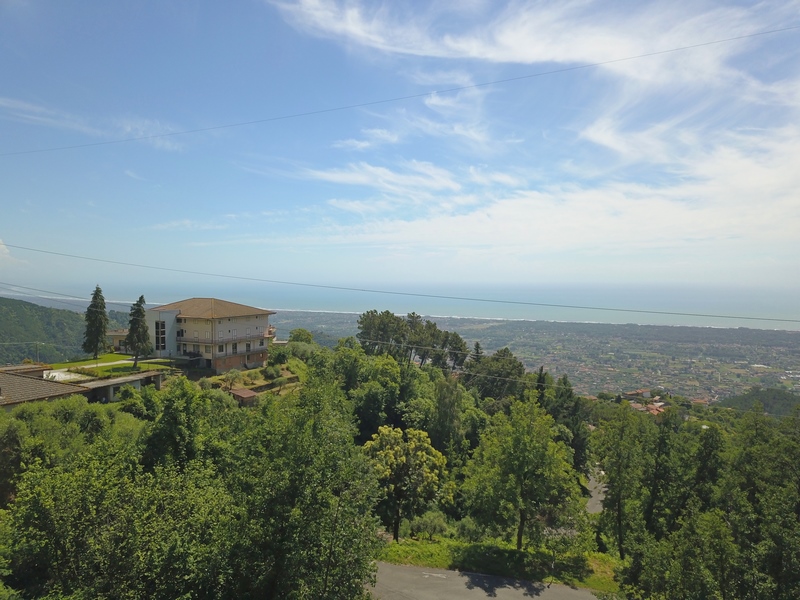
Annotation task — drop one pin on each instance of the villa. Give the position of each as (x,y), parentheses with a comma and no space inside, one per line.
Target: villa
(218,334)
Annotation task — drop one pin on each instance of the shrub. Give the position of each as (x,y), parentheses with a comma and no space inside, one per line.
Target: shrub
(431,523)
(270,373)
(468,530)
(278,355)
(204,383)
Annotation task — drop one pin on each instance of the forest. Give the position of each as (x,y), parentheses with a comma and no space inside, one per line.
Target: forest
(50,335)
(400,431)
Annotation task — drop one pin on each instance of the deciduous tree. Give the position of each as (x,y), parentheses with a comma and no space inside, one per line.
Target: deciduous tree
(519,473)
(410,470)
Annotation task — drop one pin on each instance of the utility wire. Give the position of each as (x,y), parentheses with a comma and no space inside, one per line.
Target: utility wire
(405,294)
(451,90)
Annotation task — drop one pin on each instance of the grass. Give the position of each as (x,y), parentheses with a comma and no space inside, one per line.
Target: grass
(298,367)
(108,371)
(102,359)
(120,370)
(594,570)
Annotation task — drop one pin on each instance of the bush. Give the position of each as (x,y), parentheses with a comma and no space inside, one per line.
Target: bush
(468,530)
(270,373)
(204,383)
(431,523)
(278,355)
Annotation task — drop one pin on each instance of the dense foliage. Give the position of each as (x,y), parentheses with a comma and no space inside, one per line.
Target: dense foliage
(29,331)
(182,493)
(776,401)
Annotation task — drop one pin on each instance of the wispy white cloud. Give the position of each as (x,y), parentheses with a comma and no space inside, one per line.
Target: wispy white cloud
(363,207)
(416,175)
(27,112)
(189,225)
(134,175)
(576,31)
(371,138)
(6,258)
(150,131)
(97,127)
(731,213)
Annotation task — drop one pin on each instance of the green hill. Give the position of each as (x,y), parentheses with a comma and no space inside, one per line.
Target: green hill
(775,401)
(52,334)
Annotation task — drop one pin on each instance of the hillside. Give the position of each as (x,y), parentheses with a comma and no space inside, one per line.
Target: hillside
(775,401)
(50,334)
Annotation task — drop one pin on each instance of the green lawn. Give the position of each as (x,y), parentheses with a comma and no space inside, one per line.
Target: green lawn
(126,369)
(594,571)
(102,359)
(106,371)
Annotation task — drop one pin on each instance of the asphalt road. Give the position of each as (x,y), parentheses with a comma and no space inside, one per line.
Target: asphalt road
(396,582)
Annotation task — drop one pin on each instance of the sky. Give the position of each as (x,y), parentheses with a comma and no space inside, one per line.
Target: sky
(413,145)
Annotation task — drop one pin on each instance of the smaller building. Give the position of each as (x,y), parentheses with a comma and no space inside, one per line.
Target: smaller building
(116,339)
(107,390)
(16,389)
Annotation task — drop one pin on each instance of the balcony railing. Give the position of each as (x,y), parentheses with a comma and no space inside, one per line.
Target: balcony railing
(270,333)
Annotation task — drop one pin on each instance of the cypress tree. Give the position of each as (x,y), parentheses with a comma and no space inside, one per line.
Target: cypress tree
(94,338)
(138,338)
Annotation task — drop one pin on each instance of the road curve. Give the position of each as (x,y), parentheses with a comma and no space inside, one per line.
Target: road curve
(398,582)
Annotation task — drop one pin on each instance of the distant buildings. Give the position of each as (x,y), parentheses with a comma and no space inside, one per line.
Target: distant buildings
(218,334)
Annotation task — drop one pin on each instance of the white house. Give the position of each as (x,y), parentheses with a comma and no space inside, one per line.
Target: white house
(222,335)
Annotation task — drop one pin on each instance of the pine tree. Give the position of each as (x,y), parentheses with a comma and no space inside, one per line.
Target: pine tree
(138,338)
(94,339)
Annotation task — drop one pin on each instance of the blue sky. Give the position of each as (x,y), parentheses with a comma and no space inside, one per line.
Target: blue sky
(677,168)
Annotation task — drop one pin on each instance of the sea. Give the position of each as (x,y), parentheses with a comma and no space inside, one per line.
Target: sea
(670,305)
(700,306)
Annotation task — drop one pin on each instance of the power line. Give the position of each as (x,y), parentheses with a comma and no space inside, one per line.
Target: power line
(451,90)
(406,294)
(13,287)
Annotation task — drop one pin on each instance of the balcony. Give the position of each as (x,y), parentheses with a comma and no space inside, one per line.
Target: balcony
(239,337)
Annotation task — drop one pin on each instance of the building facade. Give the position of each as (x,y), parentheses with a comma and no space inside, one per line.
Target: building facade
(220,335)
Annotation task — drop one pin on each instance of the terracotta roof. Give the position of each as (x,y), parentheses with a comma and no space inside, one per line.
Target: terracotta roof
(24,369)
(15,389)
(212,308)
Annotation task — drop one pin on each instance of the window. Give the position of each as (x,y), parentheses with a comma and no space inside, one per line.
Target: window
(221,348)
(207,349)
(196,348)
(247,347)
(194,334)
(260,342)
(248,332)
(208,335)
(161,335)
(234,348)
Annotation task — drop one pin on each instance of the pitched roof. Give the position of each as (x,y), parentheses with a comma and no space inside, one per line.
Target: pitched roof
(15,389)
(212,308)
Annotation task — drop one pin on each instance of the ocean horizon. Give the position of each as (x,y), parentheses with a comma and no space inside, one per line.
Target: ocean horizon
(697,306)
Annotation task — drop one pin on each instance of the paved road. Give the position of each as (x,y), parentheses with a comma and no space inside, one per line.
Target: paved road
(396,582)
